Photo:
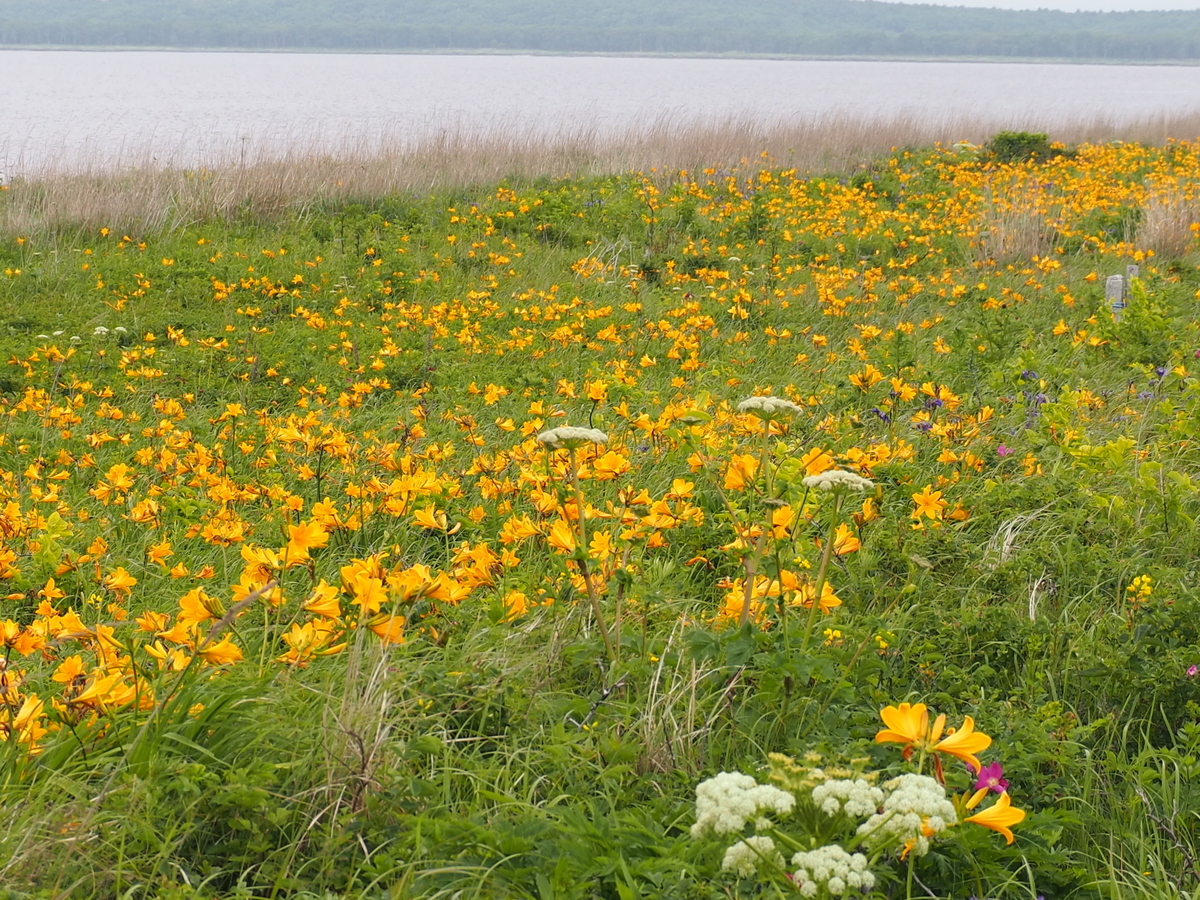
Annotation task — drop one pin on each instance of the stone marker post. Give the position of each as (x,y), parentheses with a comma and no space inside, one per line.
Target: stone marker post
(1114,293)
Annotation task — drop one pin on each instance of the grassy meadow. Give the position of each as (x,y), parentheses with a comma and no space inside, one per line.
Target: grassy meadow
(466,541)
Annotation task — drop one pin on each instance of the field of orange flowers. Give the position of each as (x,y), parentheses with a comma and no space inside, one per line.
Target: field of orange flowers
(441,546)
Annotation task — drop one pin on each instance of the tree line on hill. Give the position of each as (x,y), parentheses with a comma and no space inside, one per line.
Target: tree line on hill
(840,28)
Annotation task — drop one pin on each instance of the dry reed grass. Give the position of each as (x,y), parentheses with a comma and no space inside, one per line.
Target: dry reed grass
(1170,219)
(1016,224)
(150,195)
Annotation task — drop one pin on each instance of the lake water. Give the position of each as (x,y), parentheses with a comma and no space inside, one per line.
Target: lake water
(64,107)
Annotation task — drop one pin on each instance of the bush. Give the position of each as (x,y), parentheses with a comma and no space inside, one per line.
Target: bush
(1019,146)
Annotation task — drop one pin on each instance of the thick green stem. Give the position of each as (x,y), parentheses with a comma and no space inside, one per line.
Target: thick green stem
(822,572)
(582,558)
(750,565)
(764,461)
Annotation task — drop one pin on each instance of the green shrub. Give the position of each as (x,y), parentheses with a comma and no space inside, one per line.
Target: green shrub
(1018,146)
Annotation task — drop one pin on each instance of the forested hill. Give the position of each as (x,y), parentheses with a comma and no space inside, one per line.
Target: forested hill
(800,27)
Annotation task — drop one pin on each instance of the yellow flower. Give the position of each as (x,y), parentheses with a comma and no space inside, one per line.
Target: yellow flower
(561,537)
(516,604)
(908,724)
(845,541)
(119,581)
(929,503)
(964,743)
(221,653)
(867,378)
(999,816)
(324,601)
(743,468)
(816,461)
(432,518)
(390,629)
(304,537)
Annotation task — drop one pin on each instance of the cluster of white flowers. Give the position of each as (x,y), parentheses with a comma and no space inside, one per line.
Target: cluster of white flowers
(570,435)
(838,478)
(767,407)
(744,857)
(855,797)
(915,810)
(75,339)
(726,802)
(832,868)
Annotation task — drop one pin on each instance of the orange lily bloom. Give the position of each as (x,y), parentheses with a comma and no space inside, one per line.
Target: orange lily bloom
(965,743)
(999,816)
(908,724)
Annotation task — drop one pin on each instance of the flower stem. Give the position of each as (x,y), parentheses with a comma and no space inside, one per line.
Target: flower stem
(582,560)
(822,572)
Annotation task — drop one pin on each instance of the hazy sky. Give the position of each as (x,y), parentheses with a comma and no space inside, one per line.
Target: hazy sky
(1071,5)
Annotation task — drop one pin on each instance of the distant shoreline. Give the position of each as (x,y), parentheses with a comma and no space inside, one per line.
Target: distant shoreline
(780,57)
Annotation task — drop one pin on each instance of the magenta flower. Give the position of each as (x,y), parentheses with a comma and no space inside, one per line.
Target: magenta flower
(1193,669)
(1004,450)
(991,778)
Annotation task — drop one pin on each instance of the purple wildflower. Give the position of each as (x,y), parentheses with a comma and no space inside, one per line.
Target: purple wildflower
(991,778)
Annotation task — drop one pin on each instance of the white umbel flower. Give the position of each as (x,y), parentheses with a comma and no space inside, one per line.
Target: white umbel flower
(726,802)
(915,810)
(745,857)
(855,797)
(834,869)
(838,479)
(767,407)
(571,436)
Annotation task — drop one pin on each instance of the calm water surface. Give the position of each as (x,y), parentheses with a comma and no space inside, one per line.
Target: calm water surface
(64,107)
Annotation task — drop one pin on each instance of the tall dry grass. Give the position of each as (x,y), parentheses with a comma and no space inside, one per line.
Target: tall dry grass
(1017,223)
(148,195)
(1170,218)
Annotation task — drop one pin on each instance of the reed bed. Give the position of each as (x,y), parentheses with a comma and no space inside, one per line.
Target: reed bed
(145,192)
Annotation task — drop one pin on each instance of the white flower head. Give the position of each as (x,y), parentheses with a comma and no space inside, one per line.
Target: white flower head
(855,797)
(767,407)
(726,802)
(838,480)
(745,857)
(833,868)
(570,436)
(914,810)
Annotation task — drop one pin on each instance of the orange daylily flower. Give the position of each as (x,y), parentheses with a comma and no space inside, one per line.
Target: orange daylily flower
(999,816)
(929,503)
(221,653)
(908,724)
(964,743)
